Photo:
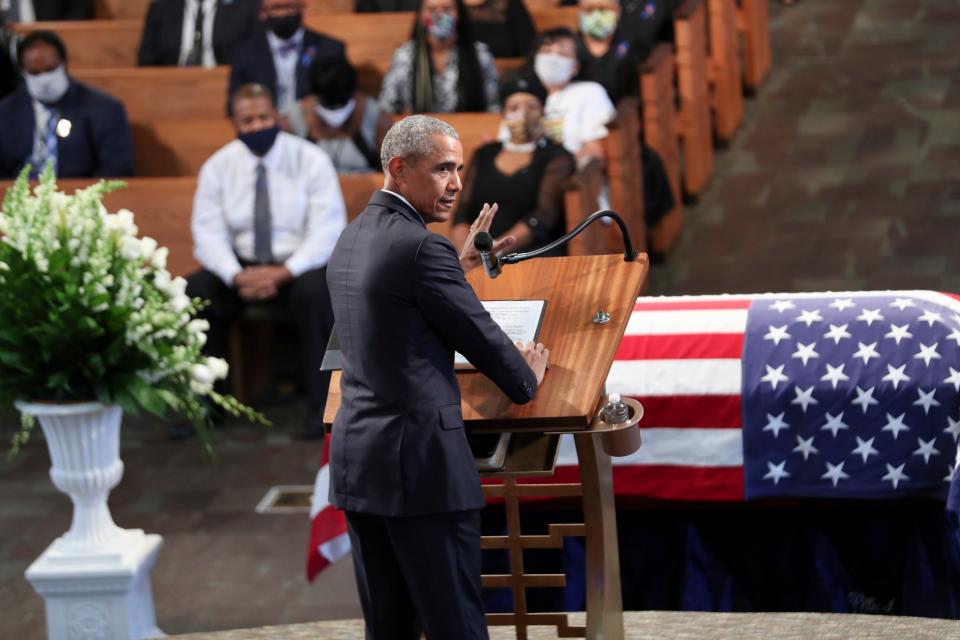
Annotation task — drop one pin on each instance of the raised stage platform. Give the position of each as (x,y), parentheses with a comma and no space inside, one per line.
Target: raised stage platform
(673,625)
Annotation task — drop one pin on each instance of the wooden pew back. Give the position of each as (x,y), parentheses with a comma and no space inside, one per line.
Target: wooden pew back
(370,38)
(163,207)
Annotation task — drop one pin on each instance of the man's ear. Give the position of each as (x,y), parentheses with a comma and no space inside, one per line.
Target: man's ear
(395,167)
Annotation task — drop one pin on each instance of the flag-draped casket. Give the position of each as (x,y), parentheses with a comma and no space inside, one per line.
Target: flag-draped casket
(840,395)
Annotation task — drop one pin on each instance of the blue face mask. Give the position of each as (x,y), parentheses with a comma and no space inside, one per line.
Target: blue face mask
(441,25)
(260,142)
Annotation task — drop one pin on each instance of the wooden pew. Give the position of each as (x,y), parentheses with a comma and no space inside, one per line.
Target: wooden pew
(660,131)
(695,130)
(370,38)
(163,206)
(137,9)
(753,22)
(726,80)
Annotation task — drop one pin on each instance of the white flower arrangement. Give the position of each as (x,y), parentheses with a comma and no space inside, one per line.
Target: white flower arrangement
(88,311)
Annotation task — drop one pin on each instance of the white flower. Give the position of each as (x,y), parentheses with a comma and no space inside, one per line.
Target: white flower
(147,246)
(201,388)
(218,367)
(121,222)
(202,339)
(178,287)
(130,248)
(161,280)
(159,258)
(179,302)
(198,325)
(4,266)
(202,374)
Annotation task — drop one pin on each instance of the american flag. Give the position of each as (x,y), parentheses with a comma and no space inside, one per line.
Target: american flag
(850,394)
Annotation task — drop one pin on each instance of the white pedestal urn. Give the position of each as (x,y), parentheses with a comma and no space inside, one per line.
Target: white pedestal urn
(95,578)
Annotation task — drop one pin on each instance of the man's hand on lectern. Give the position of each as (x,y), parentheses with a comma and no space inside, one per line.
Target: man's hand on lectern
(469,256)
(537,356)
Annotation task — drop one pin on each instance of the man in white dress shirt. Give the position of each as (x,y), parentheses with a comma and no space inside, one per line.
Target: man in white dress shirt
(266,216)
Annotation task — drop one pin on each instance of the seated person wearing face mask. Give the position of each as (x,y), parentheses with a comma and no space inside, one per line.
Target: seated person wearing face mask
(279,55)
(523,173)
(267,213)
(347,125)
(503,25)
(53,119)
(577,111)
(609,58)
(193,33)
(442,69)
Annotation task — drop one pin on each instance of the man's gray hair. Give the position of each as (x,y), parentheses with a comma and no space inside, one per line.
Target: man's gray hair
(412,138)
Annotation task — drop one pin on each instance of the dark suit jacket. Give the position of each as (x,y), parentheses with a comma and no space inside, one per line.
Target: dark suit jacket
(99,143)
(63,9)
(233,22)
(402,306)
(253,60)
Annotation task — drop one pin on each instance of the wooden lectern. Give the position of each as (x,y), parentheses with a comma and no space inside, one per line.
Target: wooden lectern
(581,353)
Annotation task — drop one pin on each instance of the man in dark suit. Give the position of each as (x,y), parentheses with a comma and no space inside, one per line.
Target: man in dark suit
(401,467)
(9,73)
(279,55)
(26,11)
(55,119)
(195,32)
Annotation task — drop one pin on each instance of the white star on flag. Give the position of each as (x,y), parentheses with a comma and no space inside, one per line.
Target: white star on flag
(926,449)
(865,398)
(777,334)
(776,471)
(776,424)
(930,317)
(838,333)
(866,351)
(805,352)
(955,336)
(774,376)
(895,375)
(927,353)
(835,375)
(926,400)
(954,379)
(809,317)
(902,303)
(804,397)
(835,473)
(834,424)
(895,474)
(895,425)
(783,305)
(869,316)
(953,428)
(898,332)
(865,448)
(805,447)
(841,303)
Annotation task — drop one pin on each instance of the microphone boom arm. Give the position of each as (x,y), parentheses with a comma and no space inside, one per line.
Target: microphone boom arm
(629,255)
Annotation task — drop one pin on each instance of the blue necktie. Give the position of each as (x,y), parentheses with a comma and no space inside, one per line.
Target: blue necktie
(47,151)
(262,225)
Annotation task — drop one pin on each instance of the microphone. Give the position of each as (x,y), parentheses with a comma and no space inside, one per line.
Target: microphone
(483,242)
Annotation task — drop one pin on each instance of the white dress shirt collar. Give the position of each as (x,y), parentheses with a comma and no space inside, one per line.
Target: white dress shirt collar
(406,202)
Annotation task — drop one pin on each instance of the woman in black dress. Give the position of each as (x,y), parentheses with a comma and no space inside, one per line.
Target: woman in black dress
(523,173)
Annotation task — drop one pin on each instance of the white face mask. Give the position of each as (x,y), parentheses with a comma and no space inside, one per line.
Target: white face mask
(47,87)
(336,117)
(553,69)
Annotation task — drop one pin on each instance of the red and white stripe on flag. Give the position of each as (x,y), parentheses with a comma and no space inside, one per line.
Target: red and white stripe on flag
(328,528)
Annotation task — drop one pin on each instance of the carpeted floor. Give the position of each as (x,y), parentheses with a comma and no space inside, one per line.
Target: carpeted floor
(669,624)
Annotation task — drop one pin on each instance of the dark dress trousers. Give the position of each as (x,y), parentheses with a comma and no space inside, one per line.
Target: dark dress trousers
(253,60)
(400,463)
(162,38)
(98,144)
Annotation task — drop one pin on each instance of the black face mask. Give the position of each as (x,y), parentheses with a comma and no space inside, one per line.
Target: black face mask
(260,142)
(284,26)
